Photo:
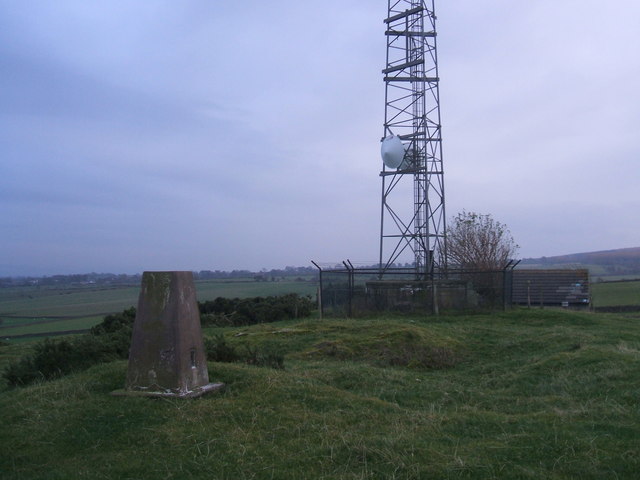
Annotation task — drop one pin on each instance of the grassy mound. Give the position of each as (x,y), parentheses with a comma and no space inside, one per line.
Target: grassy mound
(526,394)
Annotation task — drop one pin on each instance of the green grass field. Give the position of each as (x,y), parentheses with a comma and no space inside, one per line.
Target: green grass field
(527,394)
(36,311)
(614,294)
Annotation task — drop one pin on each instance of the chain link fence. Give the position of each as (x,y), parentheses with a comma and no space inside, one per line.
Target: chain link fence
(355,292)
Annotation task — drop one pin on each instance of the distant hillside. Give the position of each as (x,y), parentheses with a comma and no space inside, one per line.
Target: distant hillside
(608,264)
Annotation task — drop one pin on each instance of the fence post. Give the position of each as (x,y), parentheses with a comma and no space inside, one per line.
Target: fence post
(436,310)
(319,294)
(349,287)
(507,283)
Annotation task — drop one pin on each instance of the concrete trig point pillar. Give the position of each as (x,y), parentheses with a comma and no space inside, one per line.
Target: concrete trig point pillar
(167,356)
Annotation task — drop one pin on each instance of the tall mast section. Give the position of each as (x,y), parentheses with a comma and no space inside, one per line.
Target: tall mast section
(412,113)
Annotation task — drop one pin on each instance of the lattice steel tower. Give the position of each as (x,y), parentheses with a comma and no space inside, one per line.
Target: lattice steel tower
(412,142)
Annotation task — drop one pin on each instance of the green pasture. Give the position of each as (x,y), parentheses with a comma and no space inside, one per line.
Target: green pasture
(614,294)
(40,310)
(526,394)
(63,325)
(65,301)
(211,289)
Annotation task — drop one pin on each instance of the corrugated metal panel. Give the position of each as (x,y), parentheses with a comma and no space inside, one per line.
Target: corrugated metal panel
(551,287)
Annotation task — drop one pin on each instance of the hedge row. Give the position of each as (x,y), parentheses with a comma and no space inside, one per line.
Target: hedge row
(236,312)
(111,339)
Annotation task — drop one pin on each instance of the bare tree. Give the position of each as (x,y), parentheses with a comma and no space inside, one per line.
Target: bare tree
(478,242)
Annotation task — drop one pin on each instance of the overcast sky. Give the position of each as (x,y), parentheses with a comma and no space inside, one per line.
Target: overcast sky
(205,134)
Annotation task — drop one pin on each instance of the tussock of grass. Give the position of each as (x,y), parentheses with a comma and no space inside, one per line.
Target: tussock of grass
(534,394)
(389,343)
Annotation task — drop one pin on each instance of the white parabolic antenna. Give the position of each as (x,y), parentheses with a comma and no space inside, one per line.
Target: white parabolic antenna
(392,151)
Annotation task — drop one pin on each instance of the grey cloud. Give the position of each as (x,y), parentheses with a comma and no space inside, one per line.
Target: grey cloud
(255,128)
